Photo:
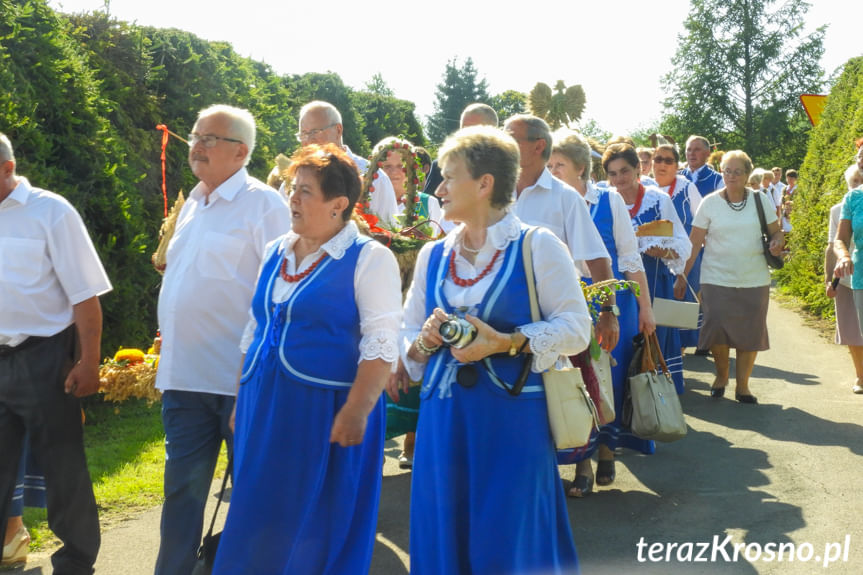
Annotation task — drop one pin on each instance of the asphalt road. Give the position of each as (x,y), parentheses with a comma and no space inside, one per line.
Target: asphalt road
(780,475)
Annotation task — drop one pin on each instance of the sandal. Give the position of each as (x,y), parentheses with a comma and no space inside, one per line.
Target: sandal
(584,485)
(605,472)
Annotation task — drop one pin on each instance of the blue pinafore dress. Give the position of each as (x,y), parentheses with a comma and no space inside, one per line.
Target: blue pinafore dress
(486,496)
(614,434)
(680,199)
(301,504)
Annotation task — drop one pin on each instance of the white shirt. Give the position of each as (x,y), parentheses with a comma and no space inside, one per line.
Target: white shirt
(565,329)
(733,253)
(47,264)
(377,290)
(212,265)
(382,200)
(679,242)
(833,229)
(628,256)
(554,205)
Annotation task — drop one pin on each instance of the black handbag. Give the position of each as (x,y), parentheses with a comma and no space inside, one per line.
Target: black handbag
(207,551)
(774,262)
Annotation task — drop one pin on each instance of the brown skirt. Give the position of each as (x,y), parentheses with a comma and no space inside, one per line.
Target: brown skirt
(736,317)
(847,325)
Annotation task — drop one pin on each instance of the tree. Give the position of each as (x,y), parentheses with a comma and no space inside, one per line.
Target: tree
(559,108)
(509,103)
(378,86)
(738,72)
(459,88)
(387,116)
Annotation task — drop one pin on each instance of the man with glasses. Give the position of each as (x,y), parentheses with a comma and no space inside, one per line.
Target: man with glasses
(321,123)
(705,178)
(50,282)
(212,264)
(543,200)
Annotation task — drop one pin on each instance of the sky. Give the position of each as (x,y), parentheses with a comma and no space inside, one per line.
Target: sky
(618,50)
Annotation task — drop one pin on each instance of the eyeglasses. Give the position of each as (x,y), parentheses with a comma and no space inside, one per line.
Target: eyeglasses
(663,160)
(209,140)
(734,173)
(309,134)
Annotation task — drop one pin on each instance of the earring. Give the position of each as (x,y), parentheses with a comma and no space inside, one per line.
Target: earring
(335,214)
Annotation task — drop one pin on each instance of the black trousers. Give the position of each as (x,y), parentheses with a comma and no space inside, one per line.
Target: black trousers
(32,400)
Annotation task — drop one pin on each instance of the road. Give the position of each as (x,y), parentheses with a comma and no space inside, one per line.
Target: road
(787,471)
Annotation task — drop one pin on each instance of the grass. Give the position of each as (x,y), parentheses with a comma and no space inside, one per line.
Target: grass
(125,445)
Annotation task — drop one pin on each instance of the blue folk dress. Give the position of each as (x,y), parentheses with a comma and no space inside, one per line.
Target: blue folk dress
(486,497)
(613,434)
(683,199)
(301,504)
(660,279)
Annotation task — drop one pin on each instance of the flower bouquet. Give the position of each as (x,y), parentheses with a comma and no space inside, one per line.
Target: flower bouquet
(130,373)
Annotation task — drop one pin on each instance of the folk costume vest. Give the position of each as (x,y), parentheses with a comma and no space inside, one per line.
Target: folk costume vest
(603,219)
(708,180)
(318,322)
(505,306)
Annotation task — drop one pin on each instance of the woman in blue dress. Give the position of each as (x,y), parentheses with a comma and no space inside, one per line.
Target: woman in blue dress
(664,256)
(686,199)
(570,161)
(309,431)
(478,445)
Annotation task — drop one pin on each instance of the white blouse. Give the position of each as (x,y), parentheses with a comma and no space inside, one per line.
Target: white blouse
(679,242)
(377,288)
(628,256)
(564,331)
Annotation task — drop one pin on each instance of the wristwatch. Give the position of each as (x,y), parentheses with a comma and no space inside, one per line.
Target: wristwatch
(612,308)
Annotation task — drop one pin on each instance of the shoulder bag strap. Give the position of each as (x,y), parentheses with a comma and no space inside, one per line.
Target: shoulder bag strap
(757,197)
(527,257)
(221,496)
(656,349)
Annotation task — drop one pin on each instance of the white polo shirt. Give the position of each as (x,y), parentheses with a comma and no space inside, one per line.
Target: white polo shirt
(47,264)
(554,205)
(212,269)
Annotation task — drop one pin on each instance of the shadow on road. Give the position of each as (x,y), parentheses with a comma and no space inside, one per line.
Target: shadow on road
(393,519)
(701,364)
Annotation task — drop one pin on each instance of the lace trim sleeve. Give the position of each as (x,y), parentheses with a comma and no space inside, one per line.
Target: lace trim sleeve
(380,344)
(630,263)
(676,265)
(544,342)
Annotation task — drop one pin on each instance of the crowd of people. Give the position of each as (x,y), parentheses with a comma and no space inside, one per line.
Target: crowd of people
(283,322)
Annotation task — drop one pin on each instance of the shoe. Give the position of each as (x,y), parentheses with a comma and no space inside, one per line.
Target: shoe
(858,389)
(605,472)
(15,553)
(717,392)
(745,398)
(405,462)
(584,484)
(702,352)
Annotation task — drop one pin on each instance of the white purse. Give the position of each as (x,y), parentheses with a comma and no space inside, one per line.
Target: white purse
(572,415)
(675,312)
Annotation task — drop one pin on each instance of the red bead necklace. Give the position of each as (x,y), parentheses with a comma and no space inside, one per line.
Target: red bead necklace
(299,277)
(633,211)
(467,283)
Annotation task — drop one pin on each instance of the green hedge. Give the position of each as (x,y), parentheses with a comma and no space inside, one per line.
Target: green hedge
(822,184)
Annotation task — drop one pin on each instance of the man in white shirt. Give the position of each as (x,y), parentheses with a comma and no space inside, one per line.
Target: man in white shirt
(321,123)
(50,282)
(212,266)
(543,200)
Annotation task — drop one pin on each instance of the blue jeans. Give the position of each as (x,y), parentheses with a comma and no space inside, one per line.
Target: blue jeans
(195,425)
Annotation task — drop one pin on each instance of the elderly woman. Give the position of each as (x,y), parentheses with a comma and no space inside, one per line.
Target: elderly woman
(486,494)
(686,198)
(847,325)
(570,161)
(848,264)
(310,415)
(664,256)
(735,279)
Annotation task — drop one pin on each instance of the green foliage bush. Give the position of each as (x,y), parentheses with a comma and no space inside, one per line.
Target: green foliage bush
(82,97)
(822,184)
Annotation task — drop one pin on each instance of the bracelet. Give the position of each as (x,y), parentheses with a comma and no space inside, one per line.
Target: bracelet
(423,348)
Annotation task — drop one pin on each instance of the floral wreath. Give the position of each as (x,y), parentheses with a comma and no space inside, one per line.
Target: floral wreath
(413,170)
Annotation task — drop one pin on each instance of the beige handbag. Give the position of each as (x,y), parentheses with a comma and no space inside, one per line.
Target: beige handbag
(656,410)
(602,368)
(572,414)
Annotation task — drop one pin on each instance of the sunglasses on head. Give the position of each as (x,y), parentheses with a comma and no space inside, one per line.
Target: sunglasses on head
(662,160)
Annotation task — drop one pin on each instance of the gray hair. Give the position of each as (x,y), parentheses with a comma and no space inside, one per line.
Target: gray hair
(573,145)
(242,125)
(485,150)
(537,129)
(6,153)
(853,176)
(701,139)
(333,114)
(485,111)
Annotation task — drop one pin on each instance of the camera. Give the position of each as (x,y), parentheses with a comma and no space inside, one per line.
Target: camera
(457,332)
